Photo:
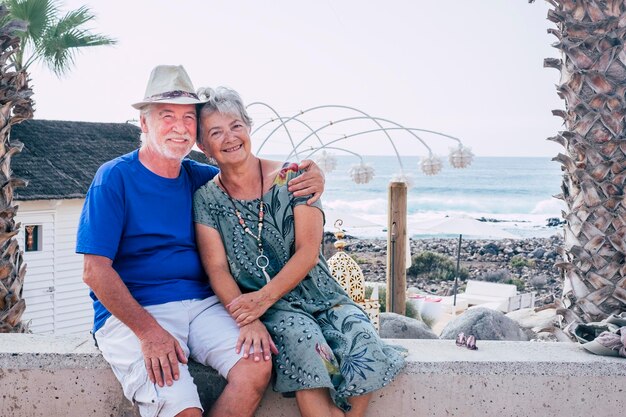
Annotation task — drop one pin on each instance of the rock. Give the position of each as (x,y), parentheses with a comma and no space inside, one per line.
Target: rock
(396,326)
(485,324)
(528,318)
(490,249)
(554,222)
(545,337)
(551,254)
(537,253)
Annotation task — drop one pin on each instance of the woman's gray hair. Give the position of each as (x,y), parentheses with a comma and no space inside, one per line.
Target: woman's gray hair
(223,100)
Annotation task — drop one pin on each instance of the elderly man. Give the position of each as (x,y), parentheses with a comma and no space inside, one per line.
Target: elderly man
(153,305)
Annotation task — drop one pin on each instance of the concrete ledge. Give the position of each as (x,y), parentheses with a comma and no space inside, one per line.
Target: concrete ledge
(66,376)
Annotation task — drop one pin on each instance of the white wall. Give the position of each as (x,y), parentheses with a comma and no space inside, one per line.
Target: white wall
(57,300)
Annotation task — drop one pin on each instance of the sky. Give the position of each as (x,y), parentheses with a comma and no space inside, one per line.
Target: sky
(469,69)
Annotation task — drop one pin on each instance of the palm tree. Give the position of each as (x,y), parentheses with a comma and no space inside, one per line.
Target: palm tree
(15,106)
(52,38)
(43,35)
(591,36)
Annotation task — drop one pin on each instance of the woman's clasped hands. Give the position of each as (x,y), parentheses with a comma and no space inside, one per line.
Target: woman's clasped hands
(248,307)
(253,338)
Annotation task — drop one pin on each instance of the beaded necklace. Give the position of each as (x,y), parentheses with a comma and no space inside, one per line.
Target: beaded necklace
(261,261)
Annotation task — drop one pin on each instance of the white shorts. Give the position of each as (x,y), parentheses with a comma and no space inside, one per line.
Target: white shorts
(205,331)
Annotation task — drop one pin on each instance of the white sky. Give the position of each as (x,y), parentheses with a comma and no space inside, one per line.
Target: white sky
(471,69)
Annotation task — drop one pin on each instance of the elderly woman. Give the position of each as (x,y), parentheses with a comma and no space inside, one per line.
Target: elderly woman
(260,247)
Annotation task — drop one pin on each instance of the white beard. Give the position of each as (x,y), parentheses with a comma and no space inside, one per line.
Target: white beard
(168,152)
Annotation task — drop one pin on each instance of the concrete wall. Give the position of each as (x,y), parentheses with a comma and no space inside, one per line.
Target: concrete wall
(66,376)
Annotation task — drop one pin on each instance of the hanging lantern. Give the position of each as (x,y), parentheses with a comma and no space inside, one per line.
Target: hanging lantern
(361,173)
(431,165)
(326,161)
(461,157)
(349,274)
(405,178)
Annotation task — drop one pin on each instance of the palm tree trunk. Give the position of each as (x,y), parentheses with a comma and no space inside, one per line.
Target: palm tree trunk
(15,106)
(591,36)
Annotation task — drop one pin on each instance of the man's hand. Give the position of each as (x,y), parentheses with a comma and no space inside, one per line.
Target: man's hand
(255,335)
(161,354)
(310,182)
(246,308)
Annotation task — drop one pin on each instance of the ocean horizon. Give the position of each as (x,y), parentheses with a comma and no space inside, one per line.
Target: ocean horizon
(516,193)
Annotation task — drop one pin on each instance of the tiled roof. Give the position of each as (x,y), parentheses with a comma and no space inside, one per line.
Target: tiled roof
(60,158)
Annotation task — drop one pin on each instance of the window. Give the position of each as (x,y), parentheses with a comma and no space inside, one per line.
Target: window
(32,238)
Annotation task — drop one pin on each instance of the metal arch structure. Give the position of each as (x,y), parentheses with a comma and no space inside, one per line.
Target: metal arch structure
(313,151)
(283,121)
(327,106)
(365,132)
(277,115)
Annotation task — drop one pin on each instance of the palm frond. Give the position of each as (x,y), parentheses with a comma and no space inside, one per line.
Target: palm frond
(59,51)
(51,39)
(74,19)
(71,34)
(36,13)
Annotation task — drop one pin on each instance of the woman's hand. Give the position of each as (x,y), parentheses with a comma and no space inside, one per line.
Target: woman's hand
(255,336)
(248,307)
(310,182)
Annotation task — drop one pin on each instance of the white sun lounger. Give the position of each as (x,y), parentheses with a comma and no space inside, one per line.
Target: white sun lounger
(503,297)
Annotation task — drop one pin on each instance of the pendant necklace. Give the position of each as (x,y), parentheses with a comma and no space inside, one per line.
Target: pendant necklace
(261,261)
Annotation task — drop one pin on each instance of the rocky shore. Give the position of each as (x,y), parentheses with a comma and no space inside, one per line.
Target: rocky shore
(528,263)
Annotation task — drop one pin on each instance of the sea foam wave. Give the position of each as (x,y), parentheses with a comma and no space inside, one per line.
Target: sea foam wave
(549,206)
(514,191)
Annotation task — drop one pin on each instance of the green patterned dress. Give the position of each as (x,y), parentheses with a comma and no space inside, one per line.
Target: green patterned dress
(324,339)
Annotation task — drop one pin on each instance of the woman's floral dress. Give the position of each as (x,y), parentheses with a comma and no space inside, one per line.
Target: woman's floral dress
(324,339)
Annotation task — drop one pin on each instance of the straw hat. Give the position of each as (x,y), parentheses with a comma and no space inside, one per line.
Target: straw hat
(169,84)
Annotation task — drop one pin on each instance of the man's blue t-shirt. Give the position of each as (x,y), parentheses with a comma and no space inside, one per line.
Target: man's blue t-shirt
(144,224)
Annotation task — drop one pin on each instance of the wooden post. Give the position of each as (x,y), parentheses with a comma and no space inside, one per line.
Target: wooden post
(396,248)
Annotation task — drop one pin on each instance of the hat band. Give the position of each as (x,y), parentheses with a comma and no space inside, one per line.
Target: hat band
(171,94)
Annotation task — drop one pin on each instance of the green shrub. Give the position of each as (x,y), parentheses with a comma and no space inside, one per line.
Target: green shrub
(521,285)
(433,266)
(519,262)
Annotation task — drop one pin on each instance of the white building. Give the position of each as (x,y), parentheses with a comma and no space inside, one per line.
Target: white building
(59,160)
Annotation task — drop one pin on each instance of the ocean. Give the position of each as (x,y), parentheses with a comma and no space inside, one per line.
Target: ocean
(517,192)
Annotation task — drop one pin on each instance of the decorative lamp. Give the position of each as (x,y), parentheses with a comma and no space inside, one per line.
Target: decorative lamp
(431,165)
(461,157)
(345,270)
(361,173)
(326,161)
(405,178)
